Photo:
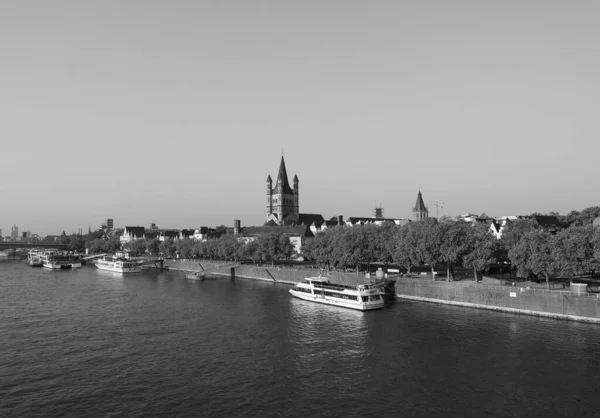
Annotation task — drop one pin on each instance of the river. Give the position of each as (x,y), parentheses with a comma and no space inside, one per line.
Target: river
(93,343)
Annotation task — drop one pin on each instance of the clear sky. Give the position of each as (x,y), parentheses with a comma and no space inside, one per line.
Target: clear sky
(175,112)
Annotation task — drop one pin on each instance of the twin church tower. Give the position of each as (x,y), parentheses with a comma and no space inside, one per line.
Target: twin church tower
(283,201)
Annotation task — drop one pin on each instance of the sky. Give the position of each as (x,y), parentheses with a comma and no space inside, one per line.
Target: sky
(175,112)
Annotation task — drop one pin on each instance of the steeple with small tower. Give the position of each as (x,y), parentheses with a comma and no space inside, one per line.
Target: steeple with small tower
(420,211)
(282,200)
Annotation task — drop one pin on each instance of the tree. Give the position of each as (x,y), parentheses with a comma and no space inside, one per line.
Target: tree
(535,253)
(152,245)
(596,243)
(429,243)
(167,247)
(228,247)
(585,217)
(352,247)
(574,251)
(480,249)
(250,250)
(136,247)
(320,248)
(406,253)
(185,247)
(453,239)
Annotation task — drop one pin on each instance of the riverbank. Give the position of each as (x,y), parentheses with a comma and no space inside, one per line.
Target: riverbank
(558,304)
(275,274)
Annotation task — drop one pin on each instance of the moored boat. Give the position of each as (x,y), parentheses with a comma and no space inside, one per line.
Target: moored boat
(362,297)
(118,264)
(34,259)
(55,261)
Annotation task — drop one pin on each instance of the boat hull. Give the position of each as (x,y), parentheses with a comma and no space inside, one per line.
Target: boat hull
(52,266)
(337,301)
(116,269)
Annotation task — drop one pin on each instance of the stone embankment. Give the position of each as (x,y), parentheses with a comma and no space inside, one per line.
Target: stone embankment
(522,300)
(277,274)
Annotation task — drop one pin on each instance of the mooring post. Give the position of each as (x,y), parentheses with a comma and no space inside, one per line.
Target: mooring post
(232,273)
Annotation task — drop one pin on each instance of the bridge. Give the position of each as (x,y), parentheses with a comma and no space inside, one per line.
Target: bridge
(15,245)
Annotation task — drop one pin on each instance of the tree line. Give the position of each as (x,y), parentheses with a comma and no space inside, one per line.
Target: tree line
(525,248)
(271,247)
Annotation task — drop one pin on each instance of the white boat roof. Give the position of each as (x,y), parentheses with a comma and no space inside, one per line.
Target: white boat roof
(317,279)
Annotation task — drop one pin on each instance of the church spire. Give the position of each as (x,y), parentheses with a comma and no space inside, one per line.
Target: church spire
(420,211)
(282,178)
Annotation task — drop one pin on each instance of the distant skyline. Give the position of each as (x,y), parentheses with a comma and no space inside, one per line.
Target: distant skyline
(176,112)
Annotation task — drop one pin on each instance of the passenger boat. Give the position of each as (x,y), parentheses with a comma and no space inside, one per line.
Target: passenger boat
(118,264)
(34,259)
(56,261)
(363,297)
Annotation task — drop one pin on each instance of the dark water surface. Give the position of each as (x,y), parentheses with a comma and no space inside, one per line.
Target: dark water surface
(89,343)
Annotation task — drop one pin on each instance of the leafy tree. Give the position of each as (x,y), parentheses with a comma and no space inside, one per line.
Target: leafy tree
(406,253)
(167,247)
(596,244)
(585,217)
(185,247)
(152,245)
(480,249)
(135,247)
(453,240)
(352,247)
(535,253)
(574,251)
(429,242)
(227,247)
(320,248)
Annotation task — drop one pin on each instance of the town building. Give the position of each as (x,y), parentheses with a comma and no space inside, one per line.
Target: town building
(14,232)
(131,233)
(377,219)
(420,211)
(297,234)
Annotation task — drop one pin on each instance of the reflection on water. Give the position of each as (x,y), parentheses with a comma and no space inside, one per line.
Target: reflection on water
(325,338)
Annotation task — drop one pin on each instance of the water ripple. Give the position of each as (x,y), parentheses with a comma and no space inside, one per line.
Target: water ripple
(87,343)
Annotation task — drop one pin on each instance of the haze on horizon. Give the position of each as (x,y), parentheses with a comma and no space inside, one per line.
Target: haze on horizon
(176,112)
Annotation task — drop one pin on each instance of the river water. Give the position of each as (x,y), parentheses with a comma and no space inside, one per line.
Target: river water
(89,343)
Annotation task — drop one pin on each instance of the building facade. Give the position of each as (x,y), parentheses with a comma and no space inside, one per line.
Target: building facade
(282,200)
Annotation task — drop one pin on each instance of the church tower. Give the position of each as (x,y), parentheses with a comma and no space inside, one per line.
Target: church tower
(282,200)
(420,212)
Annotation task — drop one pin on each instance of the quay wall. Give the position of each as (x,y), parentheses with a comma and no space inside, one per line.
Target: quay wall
(540,302)
(278,274)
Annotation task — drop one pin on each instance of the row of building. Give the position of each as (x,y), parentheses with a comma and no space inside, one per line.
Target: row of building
(14,235)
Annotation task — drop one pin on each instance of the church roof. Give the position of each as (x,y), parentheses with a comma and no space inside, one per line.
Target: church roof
(310,219)
(267,229)
(282,179)
(135,231)
(420,205)
(269,179)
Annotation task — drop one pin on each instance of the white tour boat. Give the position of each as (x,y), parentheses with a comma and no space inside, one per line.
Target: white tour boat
(118,264)
(363,297)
